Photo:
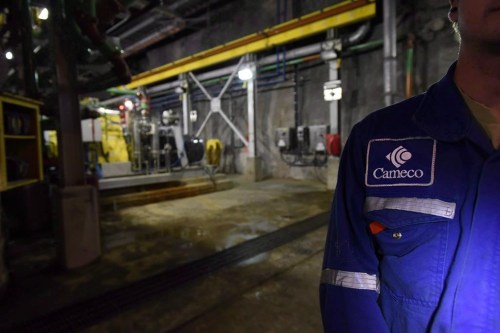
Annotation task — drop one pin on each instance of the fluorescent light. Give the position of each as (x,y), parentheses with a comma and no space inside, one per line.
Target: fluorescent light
(9,55)
(44,14)
(245,74)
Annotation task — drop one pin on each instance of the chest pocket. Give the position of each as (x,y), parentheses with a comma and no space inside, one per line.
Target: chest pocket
(401,239)
(410,237)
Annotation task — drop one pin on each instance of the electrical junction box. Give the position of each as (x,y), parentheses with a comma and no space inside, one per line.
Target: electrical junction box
(303,137)
(317,137)
(285,138)
(332,91)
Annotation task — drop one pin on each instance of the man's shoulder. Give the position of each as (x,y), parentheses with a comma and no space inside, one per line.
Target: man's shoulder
(398,111)
(393,120)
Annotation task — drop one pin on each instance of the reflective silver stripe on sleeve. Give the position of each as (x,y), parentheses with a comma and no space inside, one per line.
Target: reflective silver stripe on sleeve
(434,207)
(353,280)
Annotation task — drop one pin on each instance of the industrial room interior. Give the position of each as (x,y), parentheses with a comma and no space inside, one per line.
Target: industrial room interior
(169,165)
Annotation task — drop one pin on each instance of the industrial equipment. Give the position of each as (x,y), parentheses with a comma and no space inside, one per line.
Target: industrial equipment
(136,140)
(317,137)
(303,146)
(303,137)
(286,138)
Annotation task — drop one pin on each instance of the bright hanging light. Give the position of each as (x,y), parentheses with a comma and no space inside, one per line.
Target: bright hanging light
(129,104)
(44,14)
(245,73)
(9,55)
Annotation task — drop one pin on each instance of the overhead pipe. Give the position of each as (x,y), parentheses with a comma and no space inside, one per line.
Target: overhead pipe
(341,14)
(169,30)
(85,16)
(142,24)
(357,36)
(390,51)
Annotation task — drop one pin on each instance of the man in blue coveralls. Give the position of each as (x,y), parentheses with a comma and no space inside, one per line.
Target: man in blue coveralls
(414,238)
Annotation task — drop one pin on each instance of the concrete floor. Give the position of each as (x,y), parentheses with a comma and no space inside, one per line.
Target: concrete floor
(274,292)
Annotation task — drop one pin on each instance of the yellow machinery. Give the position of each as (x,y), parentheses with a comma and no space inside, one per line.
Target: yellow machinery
(213,152)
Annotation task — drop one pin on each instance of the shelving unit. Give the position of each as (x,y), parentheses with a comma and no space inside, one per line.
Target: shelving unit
(20,142)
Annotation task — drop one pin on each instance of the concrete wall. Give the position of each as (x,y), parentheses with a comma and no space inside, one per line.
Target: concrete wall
(362,80)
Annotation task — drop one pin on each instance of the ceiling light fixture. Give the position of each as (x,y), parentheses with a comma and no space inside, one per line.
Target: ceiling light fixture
(44,14)
(246,72)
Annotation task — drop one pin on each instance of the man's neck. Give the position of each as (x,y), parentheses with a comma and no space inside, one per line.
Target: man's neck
(478,75)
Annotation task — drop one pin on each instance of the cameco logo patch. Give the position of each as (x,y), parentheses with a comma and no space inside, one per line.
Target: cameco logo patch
(400,162)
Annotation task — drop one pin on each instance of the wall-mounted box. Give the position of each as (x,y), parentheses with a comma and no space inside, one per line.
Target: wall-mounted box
(317,137)
(285,138)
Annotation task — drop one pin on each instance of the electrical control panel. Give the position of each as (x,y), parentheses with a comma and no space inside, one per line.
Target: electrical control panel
(285,138)
(317,137)
(303,137)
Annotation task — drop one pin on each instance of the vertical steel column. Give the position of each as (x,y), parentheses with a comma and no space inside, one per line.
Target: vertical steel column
(333,75)
(390,51)
(70,144)
(78,232)
(252,148)
(185,103)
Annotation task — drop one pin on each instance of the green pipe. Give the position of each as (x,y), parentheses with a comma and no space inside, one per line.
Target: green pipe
(120,91)
(366,46)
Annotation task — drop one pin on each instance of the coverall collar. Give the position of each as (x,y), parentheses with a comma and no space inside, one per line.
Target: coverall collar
(444,115)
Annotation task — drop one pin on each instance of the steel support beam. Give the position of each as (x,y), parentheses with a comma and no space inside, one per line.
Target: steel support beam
(70,145)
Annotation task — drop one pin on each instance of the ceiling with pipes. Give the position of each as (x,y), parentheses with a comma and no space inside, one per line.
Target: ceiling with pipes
(107,36)
(112,40)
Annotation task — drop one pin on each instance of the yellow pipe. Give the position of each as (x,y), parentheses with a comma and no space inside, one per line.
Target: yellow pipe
(284,33)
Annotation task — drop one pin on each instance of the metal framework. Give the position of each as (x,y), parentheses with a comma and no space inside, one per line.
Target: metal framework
(215,103)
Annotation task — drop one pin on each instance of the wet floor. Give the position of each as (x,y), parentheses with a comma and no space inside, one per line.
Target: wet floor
(146,240)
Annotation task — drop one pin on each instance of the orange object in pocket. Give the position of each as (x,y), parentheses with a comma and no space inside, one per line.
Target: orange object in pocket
(376,227)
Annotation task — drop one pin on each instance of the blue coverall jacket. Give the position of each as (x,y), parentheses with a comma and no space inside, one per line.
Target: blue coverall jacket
(414,239)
